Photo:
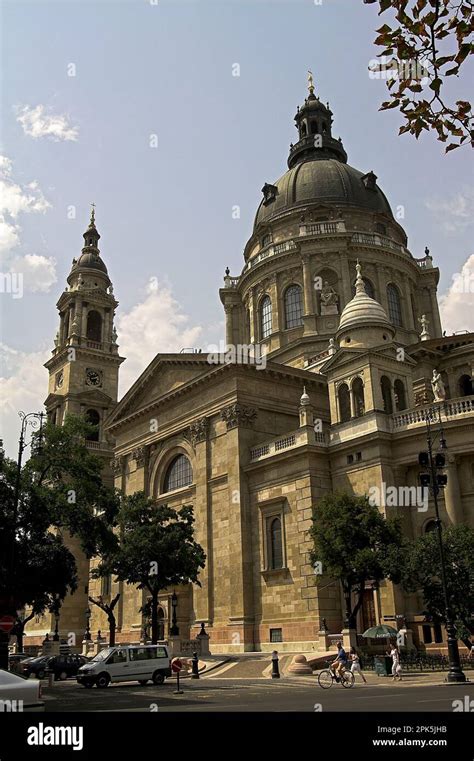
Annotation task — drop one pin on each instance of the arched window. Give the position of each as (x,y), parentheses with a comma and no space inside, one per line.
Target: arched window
(358,394)
(394,305)
(430,526)
(400,399)
(161,623)
(303,130)
(325,128)
(276,544)
(465,385)
(314,128)
(293,307)
(265,317)
(94,326)
(179,474)
(369,288)
(386,394)
(344,398)
(93,418)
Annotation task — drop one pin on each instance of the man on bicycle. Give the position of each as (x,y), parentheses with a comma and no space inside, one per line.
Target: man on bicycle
(340,662)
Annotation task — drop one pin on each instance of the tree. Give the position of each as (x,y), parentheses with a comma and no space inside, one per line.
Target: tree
(426,42)
(354,543)
(60,491)
(156,549)
(108,609)
(422,572)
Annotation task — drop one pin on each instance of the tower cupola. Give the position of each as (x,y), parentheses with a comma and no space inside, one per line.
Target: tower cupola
(314,124)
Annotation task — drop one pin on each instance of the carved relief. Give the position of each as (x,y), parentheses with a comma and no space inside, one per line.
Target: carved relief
(238,415)
(140,455)
(117,465)
(198,430)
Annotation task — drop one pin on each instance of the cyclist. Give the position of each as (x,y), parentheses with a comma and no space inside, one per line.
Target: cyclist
(340,663)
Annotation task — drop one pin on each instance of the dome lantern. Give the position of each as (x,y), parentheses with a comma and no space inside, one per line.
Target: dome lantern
(314,124)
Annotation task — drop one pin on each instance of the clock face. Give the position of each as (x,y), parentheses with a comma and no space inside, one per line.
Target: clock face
(59,379)
(93,377)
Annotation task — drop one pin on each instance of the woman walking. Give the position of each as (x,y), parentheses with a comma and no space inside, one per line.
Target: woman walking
(396,667)
(355,665)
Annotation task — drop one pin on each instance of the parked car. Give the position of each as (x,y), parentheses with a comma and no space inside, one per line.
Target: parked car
(14,688)
(125,664)
(62,666)
(15,662)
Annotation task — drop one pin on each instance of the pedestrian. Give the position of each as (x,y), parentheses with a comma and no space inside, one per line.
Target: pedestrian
(355,665)
(396,667)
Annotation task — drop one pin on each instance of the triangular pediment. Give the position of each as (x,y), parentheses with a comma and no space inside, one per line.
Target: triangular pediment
(366,356)
(164,374)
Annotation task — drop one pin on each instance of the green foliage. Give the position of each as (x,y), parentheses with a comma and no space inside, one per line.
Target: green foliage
(156,550)
(355,544)
(60,490)
(422,572)
(434,35)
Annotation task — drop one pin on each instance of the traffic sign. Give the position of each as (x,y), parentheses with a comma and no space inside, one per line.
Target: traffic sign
(6,624)
(176,666)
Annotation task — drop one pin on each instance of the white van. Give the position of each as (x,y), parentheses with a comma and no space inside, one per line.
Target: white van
(126,663)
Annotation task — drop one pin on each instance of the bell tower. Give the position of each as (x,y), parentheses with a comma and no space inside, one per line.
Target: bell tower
(83,380)
(83,371)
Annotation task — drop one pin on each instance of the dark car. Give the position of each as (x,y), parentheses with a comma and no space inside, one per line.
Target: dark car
(62,666)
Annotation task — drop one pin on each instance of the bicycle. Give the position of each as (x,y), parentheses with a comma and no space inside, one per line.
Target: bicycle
(326,678)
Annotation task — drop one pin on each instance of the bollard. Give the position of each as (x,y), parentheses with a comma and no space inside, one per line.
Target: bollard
(195,665)
(50,678)
(275,669)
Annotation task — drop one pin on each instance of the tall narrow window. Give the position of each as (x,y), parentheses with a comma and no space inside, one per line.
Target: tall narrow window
(179,474)
(276,544)
(293,307)
(93,418)
(94,326)
(358,393)
(386,387)
(344,403)
(400,400)
(266,317)
(465,385)
(394,305)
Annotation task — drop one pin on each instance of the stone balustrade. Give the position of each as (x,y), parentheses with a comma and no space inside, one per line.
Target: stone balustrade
(289,441)
(323,228)
(451,408)
(374,239)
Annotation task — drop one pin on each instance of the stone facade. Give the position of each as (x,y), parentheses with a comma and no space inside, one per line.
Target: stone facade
(338,400)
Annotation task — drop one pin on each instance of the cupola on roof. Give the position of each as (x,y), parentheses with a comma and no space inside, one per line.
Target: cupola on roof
(362,310)
(90,256)
(318,171)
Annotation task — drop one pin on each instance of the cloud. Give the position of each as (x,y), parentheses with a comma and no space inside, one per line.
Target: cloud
(156,324)
(457,305)
(36,122)
(23,386)
(456,213)
(38,272)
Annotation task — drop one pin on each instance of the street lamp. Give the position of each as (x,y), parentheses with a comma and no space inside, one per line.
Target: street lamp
(56,626)
(174,630)
(436,481)
(87,635)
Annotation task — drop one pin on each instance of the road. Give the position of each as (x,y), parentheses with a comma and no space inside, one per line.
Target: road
(250,695)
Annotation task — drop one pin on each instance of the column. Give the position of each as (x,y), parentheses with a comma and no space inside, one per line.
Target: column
(409,319)
(276,327)
(229,325)
(435,331)
(452,492)
(307,286)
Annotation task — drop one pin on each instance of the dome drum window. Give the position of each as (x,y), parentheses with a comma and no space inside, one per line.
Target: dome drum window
(265,317)
(394,305)
(270,192)
(293,307)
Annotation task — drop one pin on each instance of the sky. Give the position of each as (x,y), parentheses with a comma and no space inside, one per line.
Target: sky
(136,106)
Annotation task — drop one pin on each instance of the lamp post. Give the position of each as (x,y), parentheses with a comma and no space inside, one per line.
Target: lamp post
(87,634)
(435,481)
(174,630)
(56,626)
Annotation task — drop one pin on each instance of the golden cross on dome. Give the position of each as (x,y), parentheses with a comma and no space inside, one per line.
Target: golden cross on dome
(310,82)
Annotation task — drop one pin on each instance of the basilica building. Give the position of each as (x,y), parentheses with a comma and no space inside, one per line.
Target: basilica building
(345,355)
